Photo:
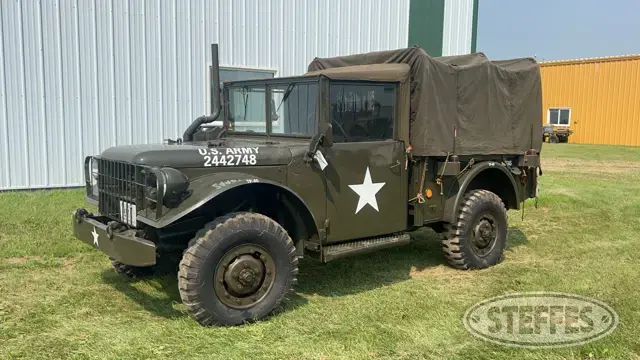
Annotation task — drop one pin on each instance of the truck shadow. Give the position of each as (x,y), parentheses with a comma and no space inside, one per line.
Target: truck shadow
(515,238)
(160,296)
(382,268)
(373,270)
(161,300)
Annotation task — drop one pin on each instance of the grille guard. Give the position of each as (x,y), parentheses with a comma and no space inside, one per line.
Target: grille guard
(126,190)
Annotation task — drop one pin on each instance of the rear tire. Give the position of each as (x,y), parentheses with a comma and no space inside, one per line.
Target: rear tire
(237,269)
(553,139)
(476,240)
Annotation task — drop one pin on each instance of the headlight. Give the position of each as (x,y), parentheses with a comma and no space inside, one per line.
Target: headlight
(151,188)
(173,184)
(91,176)
(94,172)
(93,180)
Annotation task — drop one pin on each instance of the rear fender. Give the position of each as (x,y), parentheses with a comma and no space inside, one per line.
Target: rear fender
(452,204)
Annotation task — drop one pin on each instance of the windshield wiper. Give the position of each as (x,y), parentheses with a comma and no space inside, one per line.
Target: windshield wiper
(287,92)
(245,98)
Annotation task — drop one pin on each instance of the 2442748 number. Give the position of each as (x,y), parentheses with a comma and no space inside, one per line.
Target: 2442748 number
(229,160)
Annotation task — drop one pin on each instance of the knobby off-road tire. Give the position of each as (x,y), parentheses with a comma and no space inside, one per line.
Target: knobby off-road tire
(130,271)
(477,238)
(237,269)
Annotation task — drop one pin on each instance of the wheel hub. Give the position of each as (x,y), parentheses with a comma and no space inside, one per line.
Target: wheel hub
(244,276)
(485,232)
(247,277)
(484,235)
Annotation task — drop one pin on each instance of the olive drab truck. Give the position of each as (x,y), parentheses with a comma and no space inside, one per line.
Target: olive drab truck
(347,158)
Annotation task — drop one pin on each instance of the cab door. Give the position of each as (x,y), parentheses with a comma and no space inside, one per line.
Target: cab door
(366,179)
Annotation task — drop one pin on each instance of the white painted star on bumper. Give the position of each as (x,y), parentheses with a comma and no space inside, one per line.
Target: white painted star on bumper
(95,236)
(367,192)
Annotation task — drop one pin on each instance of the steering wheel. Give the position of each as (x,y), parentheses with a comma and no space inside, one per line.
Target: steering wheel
(344,133)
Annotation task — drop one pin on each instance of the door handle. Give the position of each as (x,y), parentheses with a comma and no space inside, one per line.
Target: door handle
(395,165)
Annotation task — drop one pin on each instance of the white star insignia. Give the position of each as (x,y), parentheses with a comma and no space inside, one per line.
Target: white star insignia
(367,192)
(95,236)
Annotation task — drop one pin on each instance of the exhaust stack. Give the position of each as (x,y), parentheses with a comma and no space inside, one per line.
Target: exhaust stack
(217,107)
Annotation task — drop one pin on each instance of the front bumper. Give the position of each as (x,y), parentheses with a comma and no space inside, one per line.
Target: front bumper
(121,245)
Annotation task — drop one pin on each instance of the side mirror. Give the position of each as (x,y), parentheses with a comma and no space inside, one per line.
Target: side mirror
(327,131)
(324,137)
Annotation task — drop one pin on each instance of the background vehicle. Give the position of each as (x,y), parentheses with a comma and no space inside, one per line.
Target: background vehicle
(556,134)
(344,159)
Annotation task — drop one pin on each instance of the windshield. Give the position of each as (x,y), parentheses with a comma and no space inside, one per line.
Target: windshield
(293,108)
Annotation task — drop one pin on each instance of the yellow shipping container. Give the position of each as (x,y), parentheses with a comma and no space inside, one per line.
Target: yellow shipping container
(599,96)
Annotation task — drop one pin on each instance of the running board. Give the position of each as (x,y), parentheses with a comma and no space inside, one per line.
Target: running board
(333,252)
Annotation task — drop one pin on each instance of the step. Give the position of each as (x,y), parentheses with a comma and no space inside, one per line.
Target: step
(350,248)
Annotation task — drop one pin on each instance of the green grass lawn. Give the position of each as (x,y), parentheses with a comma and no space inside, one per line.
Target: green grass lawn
(60,299)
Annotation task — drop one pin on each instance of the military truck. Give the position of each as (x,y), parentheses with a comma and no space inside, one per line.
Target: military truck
(347,158)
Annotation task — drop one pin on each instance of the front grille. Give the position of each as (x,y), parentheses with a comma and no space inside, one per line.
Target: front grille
(121,190)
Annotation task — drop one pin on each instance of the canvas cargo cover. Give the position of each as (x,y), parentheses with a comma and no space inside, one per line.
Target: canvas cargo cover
(492,107)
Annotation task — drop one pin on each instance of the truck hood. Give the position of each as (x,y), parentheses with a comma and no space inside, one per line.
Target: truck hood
(225,152)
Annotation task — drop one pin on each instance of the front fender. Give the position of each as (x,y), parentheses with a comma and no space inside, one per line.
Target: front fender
(452,203)
(206,188)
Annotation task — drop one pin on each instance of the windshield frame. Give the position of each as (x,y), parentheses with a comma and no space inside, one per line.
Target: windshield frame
(268,84)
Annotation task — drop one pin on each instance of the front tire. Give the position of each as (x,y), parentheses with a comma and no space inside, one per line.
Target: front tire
(476,240)
(237,269)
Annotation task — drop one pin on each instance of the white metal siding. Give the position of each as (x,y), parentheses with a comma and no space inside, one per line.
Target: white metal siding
(458,25)
(79,76)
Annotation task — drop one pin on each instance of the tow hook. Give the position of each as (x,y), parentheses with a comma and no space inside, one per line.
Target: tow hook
(114,226)
(111,227)
(81,214)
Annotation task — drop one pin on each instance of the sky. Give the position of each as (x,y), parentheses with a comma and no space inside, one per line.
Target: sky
(558,29)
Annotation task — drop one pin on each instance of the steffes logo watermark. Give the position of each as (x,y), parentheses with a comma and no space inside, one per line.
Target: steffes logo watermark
(540,320)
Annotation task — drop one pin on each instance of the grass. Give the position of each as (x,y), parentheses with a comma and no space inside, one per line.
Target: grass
(592,152)
(60,299)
